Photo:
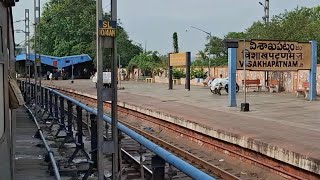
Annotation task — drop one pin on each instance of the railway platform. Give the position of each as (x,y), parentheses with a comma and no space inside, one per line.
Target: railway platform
(279,125)
(29,157)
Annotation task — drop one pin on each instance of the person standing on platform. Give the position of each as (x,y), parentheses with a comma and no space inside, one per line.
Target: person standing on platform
(50,77)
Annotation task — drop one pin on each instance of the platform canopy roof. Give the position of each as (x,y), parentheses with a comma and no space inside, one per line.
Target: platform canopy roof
(59,62)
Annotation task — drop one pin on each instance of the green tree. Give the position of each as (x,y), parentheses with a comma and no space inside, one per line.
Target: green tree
(217,51)
(175,42)
(68,27)
(178,73)
(216,47)
(147,62)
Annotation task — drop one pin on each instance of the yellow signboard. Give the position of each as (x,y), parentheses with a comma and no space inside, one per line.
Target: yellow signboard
(38,60)
(178,59)
(274,55)
(107,28)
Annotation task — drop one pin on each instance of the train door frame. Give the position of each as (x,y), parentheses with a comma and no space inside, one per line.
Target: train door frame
(6,143)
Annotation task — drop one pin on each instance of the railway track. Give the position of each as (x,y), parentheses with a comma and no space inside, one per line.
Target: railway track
(130,152)
(145,125)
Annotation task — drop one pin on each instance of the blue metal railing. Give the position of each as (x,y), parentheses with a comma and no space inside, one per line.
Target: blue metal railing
(180,164)
(50,153)
(167,156)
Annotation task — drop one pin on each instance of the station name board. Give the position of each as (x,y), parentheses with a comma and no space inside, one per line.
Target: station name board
(273,55)
(178,59)
(107,28)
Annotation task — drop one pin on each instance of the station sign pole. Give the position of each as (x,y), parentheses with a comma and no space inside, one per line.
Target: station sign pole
(114,110)
(245,105)
(99,91)
(106,38)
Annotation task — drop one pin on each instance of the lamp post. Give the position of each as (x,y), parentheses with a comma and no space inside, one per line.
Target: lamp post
(266,20)
(266,10)
(209,34)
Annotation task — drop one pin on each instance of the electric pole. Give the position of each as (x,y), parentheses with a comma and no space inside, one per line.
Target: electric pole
(36,60)
(27,34)
(99,91)
(114,106)
(266,20)
(266,10)
(106,38)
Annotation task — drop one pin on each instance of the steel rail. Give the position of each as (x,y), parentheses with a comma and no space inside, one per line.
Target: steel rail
(50,153)
(196,160)
(192,158)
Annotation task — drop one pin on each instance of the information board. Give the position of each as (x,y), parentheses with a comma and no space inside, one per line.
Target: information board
(178,59)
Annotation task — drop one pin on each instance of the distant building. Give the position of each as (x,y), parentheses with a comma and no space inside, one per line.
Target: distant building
(20,50)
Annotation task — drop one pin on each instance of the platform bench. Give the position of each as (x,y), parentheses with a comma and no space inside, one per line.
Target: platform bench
(273,85)
(252,83)
(304,91)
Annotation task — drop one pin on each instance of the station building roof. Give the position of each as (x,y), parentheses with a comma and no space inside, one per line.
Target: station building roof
(59,62)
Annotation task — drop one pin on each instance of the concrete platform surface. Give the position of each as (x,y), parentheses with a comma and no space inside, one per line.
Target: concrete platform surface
(29,158)
(278,125)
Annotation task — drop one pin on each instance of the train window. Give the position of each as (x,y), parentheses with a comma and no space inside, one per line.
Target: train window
(2,108)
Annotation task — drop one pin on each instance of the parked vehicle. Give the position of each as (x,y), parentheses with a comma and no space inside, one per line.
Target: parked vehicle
(220,83)
(106,79)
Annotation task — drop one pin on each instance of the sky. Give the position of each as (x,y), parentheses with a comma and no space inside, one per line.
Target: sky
(152,23)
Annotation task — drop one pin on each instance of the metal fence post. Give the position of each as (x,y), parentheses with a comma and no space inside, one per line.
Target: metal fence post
(158,164)
(70,118)
(38,95)
(94,140)
(79,126)
(32,91)
(25,91)
(61,122)
(79,139)
(61,100)
(41,97)
(141,151)
(43,102)
(56,111)
(94,145)
(50,103)
(46,100)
